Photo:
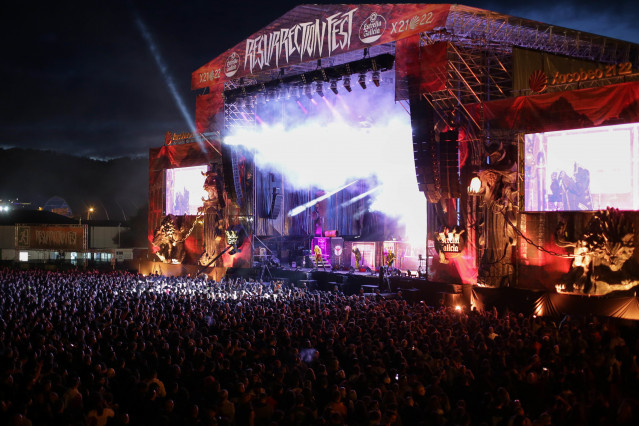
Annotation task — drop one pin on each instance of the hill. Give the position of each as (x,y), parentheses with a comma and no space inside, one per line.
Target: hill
(116,188)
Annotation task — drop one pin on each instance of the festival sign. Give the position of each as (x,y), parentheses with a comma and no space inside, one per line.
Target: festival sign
(56,237)
(535,70)
(305,33)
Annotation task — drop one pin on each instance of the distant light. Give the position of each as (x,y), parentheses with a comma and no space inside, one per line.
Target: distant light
(458,308)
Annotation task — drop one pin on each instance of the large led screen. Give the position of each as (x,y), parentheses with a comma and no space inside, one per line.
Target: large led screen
(185,190)
(582,169)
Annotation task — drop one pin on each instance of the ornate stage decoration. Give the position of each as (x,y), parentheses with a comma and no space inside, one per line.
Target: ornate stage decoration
(169,237)
(214,218)
(602,255)
(497,234)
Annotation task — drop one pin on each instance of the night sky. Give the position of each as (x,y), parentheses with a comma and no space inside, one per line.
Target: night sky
(82,77)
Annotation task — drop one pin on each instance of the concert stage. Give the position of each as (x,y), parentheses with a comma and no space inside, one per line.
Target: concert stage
(344,152)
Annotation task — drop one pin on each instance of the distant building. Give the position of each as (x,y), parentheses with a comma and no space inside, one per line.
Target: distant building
(42,237)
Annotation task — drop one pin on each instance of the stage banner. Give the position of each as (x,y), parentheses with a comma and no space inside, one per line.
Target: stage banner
(534,70)
(51,237)
(207,108)
(434,67)
(311,32)
(575,109)
(407,67)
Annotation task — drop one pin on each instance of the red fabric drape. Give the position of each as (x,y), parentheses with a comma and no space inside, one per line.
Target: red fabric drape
(433,64)
(613,104)
(206,108)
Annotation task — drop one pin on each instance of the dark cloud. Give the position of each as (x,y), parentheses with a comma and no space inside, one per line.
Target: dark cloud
(79,77)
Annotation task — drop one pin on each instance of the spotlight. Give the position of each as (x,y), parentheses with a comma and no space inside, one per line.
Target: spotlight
(475,186)
(376,78)
(362,80)
(319,88)
(347,83)
(334,86)
(307,92)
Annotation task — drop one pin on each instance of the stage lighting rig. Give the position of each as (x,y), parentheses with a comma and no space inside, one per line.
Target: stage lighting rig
(334,86)
(347,83)
(319,88)
(308,92)
(362,80)
(376,78)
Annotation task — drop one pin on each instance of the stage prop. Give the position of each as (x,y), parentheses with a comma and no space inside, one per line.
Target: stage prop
(190,212)
(170,236)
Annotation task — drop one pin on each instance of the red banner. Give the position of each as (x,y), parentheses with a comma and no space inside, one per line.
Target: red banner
(433,67)
(55,237)
(608,105)
(306,33)
(206,108)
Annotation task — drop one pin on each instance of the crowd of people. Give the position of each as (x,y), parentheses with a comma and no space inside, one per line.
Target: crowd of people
(89,348)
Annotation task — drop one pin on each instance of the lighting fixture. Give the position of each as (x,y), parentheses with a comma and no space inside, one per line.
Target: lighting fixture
(319,88)
(347,83)
(376,78)
(362,80)
(334,86)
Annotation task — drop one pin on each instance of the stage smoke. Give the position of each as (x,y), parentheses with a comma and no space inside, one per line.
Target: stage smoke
(362,136)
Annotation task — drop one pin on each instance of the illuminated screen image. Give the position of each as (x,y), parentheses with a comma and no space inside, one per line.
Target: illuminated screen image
(582,169)
(185,190)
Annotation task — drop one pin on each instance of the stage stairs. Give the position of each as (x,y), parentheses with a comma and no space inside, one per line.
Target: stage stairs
(326,258)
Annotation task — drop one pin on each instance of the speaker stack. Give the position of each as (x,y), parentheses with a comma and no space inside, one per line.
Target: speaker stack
(436,158)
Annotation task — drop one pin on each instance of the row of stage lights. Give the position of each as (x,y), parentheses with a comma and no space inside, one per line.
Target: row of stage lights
(296,92)
(312,83)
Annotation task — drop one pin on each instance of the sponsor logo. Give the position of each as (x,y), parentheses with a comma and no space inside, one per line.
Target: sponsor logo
(232,65)
(372,28)
(538,81)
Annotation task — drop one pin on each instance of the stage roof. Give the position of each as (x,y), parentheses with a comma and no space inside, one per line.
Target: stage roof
(311,36)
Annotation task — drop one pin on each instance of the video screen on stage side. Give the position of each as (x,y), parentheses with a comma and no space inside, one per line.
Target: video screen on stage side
(185,190)
(582,169)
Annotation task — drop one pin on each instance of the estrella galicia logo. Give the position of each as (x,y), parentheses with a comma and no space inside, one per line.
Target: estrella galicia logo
(372,28)
(232,65)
